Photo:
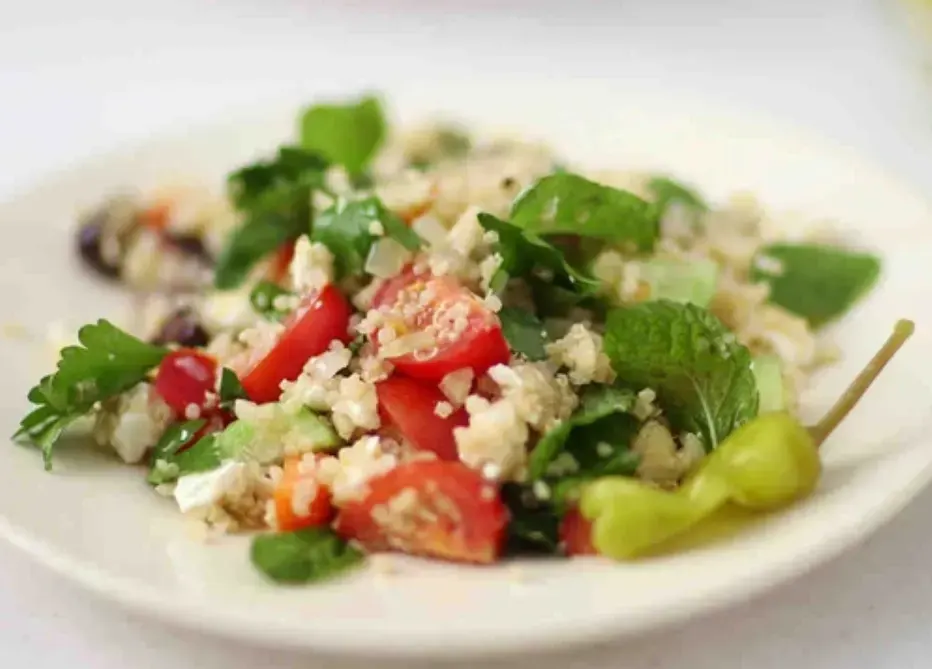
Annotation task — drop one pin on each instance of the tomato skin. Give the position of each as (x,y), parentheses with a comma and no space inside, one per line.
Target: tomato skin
(576,534)
(185,377)
(281,262)
(457,515)
(321,318)
(409,406)
(319,510)
(155,217)
(478,346)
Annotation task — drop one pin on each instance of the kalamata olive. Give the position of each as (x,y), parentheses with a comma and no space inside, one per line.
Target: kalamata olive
(191,245)
(182,328)
(91,246)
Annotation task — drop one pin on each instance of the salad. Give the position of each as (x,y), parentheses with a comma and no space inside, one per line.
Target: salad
(451,347)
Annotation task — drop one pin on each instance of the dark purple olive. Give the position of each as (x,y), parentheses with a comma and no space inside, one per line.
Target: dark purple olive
(191,245)
(182,328)
(90,246)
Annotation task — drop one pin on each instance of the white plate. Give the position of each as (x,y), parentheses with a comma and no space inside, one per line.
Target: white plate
(98,523)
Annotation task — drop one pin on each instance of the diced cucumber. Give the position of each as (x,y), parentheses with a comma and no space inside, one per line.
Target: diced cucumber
(265,442)
(681,280)
(769,374)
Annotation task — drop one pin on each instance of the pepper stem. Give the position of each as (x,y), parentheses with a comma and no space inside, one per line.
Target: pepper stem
(902,331)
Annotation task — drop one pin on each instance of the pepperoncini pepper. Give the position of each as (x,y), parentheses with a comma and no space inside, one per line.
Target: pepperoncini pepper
(764,465)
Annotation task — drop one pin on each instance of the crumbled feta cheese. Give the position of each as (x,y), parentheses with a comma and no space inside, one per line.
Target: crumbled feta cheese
(541,490)
(205,489)
(493,303)
(133,422)
(356,407)
(580,352)
(466,234)
(387,258)
(430,230)
(443,409)
(312,265)
(227,310)
(496,435)
(347,473)
(540,397)
(456,385)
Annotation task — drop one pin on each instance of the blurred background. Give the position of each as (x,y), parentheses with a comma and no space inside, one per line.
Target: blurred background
(79,77)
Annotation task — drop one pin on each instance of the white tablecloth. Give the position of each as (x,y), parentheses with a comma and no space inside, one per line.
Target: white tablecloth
(77,77)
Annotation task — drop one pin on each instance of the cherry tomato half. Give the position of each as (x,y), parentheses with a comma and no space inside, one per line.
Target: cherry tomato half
(410,407)
(429,507)
(467,333)
(318,320)
(576,534)
(184,378)
(317,509)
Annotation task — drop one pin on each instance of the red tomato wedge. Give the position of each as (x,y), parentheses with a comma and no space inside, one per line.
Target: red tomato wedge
(320,318)
(429,507)
(155,217)
(281,262)
(184,378)
(294,514)
(410,407)
(576,534)
(467,333)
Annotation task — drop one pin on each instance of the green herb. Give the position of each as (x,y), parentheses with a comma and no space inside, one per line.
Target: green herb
(275,200)
(262,297)
(163,467)
(524,253)
(524,332)
(567,203)
(667,191)
(304,556)
(348,134)
(534,524)
(701,374)
(230,388)
(598,402)
(203,456)
(107,362)
(819,283)
(346,229)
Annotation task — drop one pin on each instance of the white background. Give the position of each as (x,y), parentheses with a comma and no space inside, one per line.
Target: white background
(80,76)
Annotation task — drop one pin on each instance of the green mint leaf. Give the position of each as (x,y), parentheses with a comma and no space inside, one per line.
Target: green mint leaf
(819,283)
(347,227)
(275,199)
(667,191)
(230,389)
(597,402)
(525,254)
(702,375)
(566,203)
(524,332)
(347,134)
(262,297)
(304,556)
(533,526)
(107,362)
(163,467)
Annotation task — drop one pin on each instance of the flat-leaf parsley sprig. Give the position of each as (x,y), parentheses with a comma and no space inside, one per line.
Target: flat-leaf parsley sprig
(107,362)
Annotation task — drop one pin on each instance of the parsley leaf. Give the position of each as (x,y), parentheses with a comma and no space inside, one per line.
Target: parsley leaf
(566,203)
(701,374)
(107,362)
(524,253)
(666,191)
(819,283)
(524,332)
(346,229)
(597,402)
(304,556)
(275,200)
(348,134)
(167,464)
(230,388)
(262,297)
(533,525)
